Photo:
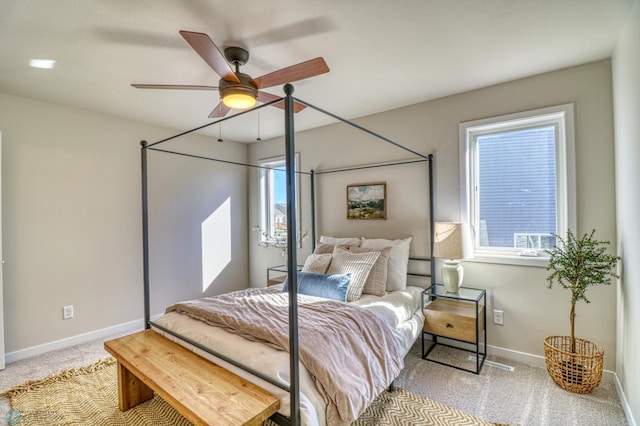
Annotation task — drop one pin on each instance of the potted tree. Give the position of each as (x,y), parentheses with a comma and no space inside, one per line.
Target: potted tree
(575,364)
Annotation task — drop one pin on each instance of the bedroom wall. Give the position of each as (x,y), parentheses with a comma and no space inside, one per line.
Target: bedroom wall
(531,311)
(626,93)
(197,221)
(72,221)
(407,210)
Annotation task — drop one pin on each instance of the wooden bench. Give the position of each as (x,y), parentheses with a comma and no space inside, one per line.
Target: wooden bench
(203,392)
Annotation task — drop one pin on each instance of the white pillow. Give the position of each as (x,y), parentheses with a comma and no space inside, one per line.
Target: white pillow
(398,260)
(340,241)
(317,263)
(357,264)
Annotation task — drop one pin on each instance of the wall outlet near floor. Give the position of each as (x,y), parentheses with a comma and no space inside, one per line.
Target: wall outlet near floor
(67,312)
(498,317)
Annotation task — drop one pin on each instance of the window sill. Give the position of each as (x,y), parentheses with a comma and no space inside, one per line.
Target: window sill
(537,261)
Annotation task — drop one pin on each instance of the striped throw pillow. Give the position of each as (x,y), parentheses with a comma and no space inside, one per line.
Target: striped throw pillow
(357,264)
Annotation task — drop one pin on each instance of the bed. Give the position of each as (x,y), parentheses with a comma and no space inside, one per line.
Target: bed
(274,363)
(313,391)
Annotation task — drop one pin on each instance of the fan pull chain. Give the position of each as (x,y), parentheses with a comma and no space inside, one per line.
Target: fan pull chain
(258,138)
(220,133)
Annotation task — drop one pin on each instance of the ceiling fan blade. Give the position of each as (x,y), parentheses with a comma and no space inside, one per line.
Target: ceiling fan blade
(173,87)
(219,111)
(265,97)
(293,73)
(207,49)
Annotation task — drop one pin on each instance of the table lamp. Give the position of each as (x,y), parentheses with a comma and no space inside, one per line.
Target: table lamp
(452,242)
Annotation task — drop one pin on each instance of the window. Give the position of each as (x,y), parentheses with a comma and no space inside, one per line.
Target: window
(273,197)
(518,184)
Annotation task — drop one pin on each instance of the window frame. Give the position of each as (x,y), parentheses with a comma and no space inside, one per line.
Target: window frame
(266,193)
(562,118)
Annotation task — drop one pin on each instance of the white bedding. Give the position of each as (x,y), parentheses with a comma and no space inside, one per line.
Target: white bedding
(402,307)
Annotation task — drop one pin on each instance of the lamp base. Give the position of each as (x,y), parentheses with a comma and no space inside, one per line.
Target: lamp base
(452,274)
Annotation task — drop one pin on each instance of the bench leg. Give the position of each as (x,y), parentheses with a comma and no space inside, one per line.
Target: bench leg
(131,390)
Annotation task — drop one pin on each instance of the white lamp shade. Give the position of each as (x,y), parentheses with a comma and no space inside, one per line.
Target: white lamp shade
(452,240)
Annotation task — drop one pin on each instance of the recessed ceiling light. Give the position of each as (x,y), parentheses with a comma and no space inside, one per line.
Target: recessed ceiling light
(43,63)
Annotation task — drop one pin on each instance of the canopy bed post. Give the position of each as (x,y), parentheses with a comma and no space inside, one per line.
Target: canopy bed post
(431,222)
(313,209)
(145,234)
(292,243)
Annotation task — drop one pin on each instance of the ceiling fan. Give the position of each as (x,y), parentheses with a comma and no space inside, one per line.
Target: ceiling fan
(239,90)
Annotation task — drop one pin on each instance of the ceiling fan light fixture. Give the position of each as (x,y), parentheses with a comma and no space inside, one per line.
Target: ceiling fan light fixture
(238,90)
(238,100)
(238,95)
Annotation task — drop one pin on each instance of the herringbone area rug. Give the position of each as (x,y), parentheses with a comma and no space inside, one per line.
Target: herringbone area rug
(403,408)
(89,396)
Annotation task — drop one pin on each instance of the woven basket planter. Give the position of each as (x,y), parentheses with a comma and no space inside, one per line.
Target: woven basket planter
(578,372)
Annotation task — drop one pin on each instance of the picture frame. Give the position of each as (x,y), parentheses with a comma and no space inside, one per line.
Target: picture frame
(367,201)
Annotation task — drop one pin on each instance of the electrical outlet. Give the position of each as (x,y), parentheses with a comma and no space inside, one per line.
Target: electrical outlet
(498,317)
(67,312)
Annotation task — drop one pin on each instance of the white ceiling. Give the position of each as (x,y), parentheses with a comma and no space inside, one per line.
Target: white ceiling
(382,54)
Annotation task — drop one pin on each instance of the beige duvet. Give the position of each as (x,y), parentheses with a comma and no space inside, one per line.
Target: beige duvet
(351,353)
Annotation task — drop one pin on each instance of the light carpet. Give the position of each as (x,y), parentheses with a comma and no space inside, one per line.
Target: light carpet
(89,396)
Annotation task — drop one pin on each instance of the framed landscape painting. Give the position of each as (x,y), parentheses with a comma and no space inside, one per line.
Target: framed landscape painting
(367,201)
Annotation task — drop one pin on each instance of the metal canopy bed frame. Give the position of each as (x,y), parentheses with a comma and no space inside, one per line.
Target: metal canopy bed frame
(288,99)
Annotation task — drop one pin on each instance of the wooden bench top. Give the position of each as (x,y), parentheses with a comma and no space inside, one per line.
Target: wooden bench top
(203,392)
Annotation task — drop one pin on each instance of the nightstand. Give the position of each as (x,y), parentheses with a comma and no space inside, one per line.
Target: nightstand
(458,318)
(277,274)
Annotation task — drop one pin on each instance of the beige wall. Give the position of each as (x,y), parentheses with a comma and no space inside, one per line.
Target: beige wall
(323,149)
(197,221)
(531,311)
(72,219)
(626,69)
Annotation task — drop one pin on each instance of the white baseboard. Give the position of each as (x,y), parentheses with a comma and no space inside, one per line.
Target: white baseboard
(510,354)
(73,340)
(125,328)
(535,360)
(624,402)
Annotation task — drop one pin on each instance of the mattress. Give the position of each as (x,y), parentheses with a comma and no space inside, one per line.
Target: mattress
(401,308)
